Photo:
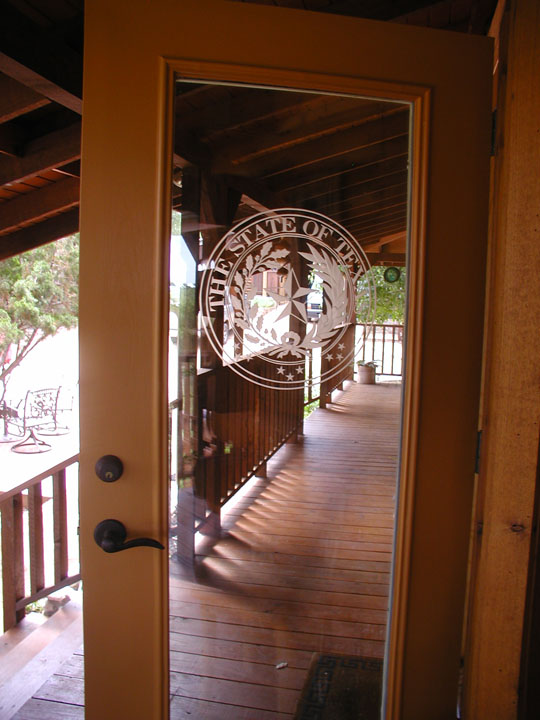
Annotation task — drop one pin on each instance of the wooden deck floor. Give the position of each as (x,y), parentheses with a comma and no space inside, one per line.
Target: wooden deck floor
(303,567)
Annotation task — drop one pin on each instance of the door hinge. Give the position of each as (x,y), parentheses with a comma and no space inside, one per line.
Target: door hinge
(478,451)
(493,131)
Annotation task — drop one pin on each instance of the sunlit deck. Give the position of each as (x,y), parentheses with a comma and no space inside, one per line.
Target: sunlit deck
(303,567)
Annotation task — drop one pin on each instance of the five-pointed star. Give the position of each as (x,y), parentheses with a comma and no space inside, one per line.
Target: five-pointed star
(339,356)
(291,298)
(290,376)
(280,370)
(329,356)
(300,370)
(341,346)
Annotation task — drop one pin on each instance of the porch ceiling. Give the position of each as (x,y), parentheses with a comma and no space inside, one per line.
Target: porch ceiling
(41,44)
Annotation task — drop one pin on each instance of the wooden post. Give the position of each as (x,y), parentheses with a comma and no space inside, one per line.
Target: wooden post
(12,559)
(35,525)
(60,526)
(185,521)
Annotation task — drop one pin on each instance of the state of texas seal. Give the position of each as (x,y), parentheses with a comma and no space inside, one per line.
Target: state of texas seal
(285,286)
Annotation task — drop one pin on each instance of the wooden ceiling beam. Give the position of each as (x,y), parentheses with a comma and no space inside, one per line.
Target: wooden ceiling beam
(49,151)
(33,57)
(255,190)
(39,204)
(308,180)
(232,108)
(249,202)
(385,240)
(17,99)
(39,234)
(387,258)
(382,209)
(375,200)
(189,151)
(11,139)
(366,236)
(346,146)
(295,110)
(303,126)
(338,193)
(368,233)
(378,219)
(375,10)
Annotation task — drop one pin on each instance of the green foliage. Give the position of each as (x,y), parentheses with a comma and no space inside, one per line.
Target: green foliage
(37,606)
(184,308)
(38,297)
(390,297)
(308,409)
(176,223)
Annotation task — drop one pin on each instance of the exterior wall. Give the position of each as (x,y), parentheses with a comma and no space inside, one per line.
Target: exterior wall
(504,516)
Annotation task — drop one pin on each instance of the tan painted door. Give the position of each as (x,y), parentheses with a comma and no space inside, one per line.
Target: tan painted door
(132,51)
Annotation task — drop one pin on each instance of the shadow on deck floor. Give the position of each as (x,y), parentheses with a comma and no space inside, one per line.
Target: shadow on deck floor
(303,566)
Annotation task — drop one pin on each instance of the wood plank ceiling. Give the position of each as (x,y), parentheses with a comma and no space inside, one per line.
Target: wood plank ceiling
(266,150)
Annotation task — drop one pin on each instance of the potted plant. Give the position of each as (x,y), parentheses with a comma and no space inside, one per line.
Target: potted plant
(366,372)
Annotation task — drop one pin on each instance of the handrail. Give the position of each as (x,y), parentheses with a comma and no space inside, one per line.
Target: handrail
(23,528)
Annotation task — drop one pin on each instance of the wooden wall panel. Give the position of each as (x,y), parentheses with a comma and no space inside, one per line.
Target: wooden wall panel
(511,412)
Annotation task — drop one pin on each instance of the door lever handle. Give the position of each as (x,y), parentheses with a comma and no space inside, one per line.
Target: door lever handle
(111,535)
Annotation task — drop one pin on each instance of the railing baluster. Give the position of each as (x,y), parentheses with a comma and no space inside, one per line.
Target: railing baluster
(364,336)
(35,532)
(266,431)
(256,457)
(12,559)
(393,348)
(13,517)
(60,526)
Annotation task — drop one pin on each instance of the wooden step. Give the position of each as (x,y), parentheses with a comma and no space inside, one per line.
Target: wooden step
(27,663)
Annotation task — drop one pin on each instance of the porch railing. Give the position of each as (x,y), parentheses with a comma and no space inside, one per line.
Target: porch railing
(35,544)
(245,424)
(224,430)
(382,344)
(336,380)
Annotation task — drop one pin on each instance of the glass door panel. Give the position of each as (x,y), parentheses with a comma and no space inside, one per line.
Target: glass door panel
(283,456)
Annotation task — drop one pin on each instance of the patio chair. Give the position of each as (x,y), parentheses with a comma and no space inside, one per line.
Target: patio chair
(37,413)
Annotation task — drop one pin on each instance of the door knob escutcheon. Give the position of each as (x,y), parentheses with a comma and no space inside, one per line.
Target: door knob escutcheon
(111,535)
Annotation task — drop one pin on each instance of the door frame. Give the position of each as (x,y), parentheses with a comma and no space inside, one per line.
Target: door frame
(132,52)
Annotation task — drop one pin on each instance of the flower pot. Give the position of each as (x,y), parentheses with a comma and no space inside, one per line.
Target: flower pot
(366,374)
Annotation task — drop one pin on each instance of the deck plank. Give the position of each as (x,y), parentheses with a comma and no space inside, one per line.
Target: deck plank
(182,708)
(238,670)
(303,566)
(36,709)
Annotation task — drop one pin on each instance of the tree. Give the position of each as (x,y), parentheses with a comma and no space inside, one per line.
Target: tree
(38,297)
(390,304)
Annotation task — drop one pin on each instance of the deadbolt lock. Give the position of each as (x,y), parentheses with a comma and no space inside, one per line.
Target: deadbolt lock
(109,468)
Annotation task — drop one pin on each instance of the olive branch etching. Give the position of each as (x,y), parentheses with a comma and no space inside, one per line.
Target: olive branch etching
(248,317)
(240,298)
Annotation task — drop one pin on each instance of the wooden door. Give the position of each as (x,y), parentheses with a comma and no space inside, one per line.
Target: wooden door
(132,52)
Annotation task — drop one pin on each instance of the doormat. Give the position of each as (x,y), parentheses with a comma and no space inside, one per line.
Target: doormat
(341,687)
